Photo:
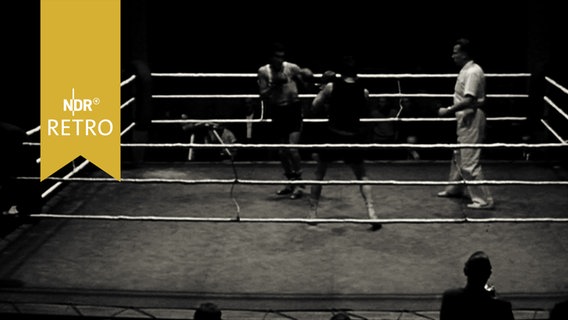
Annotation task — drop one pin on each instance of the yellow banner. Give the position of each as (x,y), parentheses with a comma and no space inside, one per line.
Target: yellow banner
(80,84)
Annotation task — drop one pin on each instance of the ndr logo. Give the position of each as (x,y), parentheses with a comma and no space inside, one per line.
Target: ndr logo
(76,105)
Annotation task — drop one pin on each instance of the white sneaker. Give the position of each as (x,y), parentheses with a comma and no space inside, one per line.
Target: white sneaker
(371,212)
(481,206)
(373,215)
(297,193)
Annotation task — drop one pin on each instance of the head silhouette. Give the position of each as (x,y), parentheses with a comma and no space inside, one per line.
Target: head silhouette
(340,316)
(347,66)
(477,269)
(277,55)
(207,311)
(462,51)
(328,76)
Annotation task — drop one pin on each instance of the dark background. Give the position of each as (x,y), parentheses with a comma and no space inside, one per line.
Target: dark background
(232,36)
(387,36)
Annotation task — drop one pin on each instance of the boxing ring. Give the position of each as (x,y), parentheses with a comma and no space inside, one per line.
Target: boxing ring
(173,234)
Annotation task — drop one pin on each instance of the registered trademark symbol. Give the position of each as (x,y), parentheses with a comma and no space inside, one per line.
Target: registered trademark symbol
(96,101)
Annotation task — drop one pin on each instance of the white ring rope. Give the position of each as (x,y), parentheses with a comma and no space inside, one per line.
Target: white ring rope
(128,128)
(127,81)
(317,75)
(306,182)
(400,106)
(556,85)
(303,220)
(311,95)
(441,75)
(346,146)
(204,96)
(556,107)
(205,75)
(127,103)
(321,120)
(181,121)
(32,131)
(552,131)
(338,146)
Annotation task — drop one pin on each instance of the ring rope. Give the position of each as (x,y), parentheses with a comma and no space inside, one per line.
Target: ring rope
(205,75)
(552,131)
(430,95)
(311,95)
(317,75)
(400,106)
(32,131)
(304,182)
(231,193)
(440,75)
(128,128)
(344,146)
(127,103)
(320,120)
(127,81)
(556,85)
(555,107)
(337,146)
(303,220)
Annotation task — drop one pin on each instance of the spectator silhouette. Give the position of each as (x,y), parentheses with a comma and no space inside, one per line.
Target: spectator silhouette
(207,311)
(475,300)
(408,131)
(559,311)
(340,316)
(384,131)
